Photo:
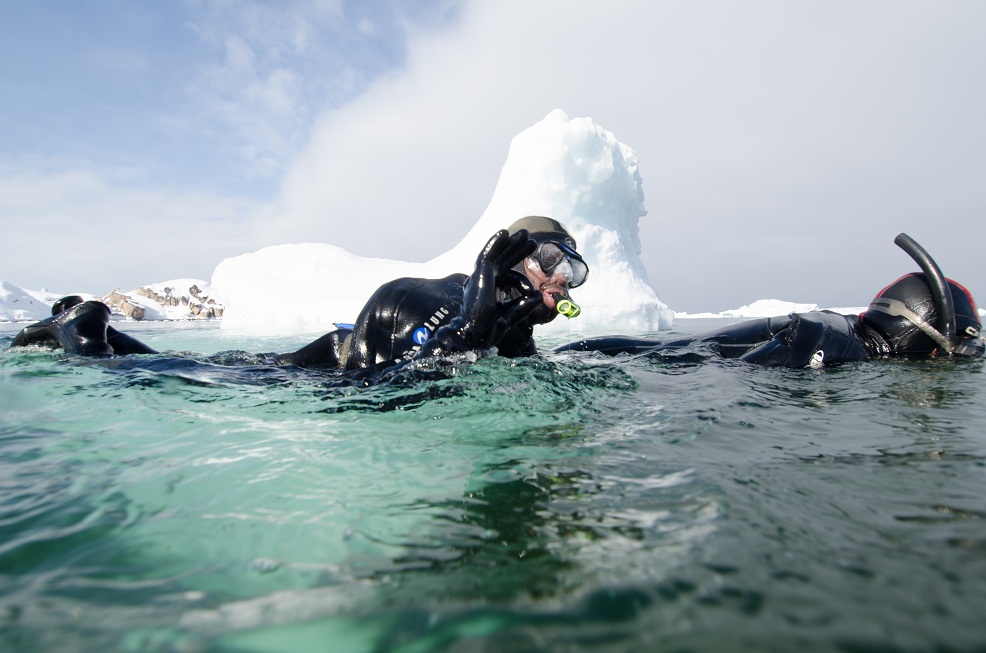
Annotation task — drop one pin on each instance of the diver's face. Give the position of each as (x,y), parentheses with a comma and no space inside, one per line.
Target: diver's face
(552,286)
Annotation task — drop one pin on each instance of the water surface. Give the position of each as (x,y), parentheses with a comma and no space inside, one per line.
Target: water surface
(559,503)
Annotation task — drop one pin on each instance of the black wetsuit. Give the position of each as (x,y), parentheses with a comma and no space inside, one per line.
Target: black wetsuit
(399,319)
(82,328)
(495,307)
(797,340)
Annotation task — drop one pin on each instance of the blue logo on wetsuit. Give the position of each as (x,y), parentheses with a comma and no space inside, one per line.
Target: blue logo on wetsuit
(420,335)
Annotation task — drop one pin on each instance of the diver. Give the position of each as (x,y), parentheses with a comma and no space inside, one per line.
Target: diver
(918,315)
(79,327)
(522,278)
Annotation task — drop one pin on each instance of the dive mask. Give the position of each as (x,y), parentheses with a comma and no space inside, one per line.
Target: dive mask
(554,256)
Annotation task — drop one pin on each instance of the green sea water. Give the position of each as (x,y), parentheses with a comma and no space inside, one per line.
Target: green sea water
(191,503)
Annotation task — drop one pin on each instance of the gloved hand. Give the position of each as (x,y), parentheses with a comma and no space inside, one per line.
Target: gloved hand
(525,298)
(483,319)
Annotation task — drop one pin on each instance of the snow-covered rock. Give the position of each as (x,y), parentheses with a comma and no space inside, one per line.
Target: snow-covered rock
(18,305)
(178,299)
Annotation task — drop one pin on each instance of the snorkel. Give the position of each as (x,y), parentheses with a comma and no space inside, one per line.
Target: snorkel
(938,284)
(565,306)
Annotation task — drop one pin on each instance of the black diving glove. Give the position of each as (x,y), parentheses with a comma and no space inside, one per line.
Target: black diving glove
(520,299)
(486,314)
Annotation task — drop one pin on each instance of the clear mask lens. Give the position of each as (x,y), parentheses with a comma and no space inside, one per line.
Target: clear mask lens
(563,270)
(553,259)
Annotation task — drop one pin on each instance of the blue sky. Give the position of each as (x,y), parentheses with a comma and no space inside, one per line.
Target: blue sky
(214,96)
(782,145)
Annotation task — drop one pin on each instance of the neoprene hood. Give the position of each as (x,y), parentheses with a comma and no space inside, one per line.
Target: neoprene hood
(900,310)
(541,229)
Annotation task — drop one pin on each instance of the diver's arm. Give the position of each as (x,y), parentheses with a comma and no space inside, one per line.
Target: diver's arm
(614,345)
(814,340)
(731,341)
(797,340)
(486,315)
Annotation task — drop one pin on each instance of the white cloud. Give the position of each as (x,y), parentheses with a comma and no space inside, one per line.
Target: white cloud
(68,224)
(240,59)
(282,64)
(145,187)
(775,139)
(782,145)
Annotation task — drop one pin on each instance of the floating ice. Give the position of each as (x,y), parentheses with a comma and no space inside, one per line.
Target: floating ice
(572,170)
(769,308)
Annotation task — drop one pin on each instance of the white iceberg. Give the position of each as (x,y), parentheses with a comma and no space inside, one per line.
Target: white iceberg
(572,170)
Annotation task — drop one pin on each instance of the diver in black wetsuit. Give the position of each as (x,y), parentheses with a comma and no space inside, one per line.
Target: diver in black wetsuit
(920,314)
(521,278)
(79,327)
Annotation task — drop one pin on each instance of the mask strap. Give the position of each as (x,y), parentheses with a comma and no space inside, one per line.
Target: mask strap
(897,308)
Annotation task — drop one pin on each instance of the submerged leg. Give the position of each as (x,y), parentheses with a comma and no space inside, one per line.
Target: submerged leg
(123,344)
(331,350)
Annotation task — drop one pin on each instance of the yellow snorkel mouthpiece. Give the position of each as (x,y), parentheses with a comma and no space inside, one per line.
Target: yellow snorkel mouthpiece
(565,306)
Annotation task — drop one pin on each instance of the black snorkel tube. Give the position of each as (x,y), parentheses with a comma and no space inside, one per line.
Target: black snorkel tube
(940,291)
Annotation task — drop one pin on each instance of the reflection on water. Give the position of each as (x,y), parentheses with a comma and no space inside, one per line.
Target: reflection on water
(561,503)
